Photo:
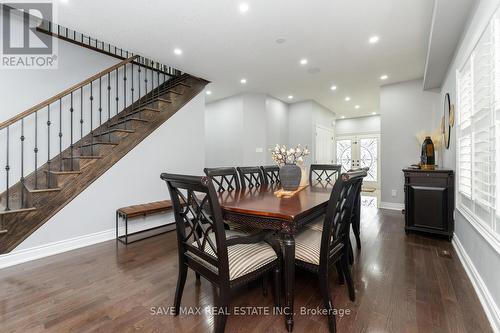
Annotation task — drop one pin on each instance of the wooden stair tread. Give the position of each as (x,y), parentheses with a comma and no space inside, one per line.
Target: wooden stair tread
(130,119)
(146,209)
(115,130)
(84,157)
(100,143)
(173,91)
(184,84)
(56,172)
(43,190)
(15,210)
(164,100)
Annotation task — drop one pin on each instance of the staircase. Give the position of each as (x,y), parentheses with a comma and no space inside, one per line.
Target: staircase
(56,149)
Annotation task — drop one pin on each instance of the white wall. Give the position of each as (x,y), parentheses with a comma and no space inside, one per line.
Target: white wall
(405,110)
(480,257)
(241,129)
(130,181)
(361,125)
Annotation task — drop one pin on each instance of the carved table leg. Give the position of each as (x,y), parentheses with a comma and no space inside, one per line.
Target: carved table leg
(289,270)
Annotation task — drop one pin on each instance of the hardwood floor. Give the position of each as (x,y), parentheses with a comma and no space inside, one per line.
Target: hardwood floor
(403,283)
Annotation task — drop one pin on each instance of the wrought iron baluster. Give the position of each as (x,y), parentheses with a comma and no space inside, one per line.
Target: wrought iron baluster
(139,86)
(22,162)
(81,116)
(60,135)
(7,174)
(132,89)
(146,81)
(125,93)
(36,150)
(117,92)
(71,146)
(91,118)
(48,147)
(152,80)
(100,107)
(109,107)
(158,80)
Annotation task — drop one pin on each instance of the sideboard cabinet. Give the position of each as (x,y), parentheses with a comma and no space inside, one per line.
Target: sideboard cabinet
(429,201)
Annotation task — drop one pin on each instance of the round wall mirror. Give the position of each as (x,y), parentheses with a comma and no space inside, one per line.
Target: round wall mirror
(447,125)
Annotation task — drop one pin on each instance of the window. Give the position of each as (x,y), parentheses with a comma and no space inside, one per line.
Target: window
(478,131)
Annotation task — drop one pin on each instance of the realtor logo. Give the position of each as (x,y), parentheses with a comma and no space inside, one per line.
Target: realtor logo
(22,45)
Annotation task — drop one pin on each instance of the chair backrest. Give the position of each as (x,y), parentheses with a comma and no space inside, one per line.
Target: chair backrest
(250,177)
(324,173)
(224,179)
(338,214)
(271,174)
(199,224)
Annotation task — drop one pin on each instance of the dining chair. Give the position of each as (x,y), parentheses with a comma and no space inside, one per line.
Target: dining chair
(356,215)
(324,174)
(271,174)
(225,179)
(250,177)
(320,251)
(227,259)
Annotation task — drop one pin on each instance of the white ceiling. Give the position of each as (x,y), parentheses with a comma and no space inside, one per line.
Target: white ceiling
(222,45)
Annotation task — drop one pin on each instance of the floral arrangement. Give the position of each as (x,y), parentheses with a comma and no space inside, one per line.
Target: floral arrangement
(281,155)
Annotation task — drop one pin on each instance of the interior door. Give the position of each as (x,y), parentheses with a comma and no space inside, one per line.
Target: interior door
(324,145)
(360,151)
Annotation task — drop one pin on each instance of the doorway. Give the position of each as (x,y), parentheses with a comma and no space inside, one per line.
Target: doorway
(325,145)
(359,151)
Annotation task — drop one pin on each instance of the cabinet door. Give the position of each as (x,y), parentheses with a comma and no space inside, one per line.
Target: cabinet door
(427,207)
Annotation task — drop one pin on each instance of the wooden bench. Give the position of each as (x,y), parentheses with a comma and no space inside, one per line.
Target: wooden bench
(143,210)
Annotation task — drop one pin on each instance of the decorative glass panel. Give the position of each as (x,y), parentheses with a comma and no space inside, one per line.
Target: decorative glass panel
(369,157)
(344,153)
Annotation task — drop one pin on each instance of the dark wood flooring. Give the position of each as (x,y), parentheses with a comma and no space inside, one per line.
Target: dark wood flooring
(403,284)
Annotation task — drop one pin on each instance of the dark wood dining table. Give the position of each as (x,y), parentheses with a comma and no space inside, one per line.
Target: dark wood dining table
(261,208)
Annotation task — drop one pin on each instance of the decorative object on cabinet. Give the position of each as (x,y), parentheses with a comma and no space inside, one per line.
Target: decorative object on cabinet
(429,201)
(427,156)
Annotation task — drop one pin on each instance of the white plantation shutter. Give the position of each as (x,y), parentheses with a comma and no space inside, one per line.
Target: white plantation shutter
(483,131)
(478,131)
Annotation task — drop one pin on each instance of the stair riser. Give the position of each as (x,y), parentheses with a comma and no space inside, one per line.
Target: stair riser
(68,166)
(131,124)
(34,199)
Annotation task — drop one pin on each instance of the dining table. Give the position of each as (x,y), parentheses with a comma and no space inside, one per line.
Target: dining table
(265,208)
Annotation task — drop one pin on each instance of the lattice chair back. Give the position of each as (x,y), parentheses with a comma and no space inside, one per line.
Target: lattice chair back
(224,179)
(271,174)
(198,216)
(324,174)
(251,177)
(336,225)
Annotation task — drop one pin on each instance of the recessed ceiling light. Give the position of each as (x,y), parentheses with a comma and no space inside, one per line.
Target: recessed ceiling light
(343,117)
(208,92)
(244,7)
(290,96)
(356,106)
(333,87)
(347,99)
(373,39)
(303,61)
(243,81)
(374,113)
(384,77)
(178,51)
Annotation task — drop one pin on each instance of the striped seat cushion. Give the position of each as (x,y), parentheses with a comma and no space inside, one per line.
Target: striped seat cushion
(317,224)
(308,245)
(243,258)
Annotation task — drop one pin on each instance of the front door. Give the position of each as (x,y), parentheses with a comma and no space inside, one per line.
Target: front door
(360,151)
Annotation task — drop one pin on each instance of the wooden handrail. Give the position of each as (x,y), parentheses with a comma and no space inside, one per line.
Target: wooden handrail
(64,93)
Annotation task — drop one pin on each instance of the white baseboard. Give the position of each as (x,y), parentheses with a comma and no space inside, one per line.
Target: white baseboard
(21,256)
(391,205)
(489,305)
